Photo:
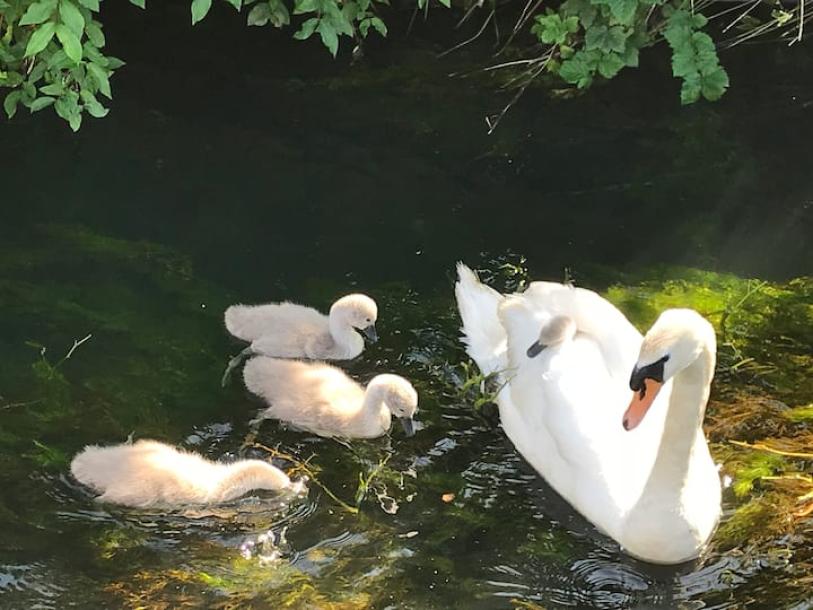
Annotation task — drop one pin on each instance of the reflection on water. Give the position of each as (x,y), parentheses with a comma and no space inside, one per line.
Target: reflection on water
(167,213)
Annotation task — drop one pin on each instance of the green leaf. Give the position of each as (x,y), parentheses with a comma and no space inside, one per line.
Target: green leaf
(304,6)
(605,39)
(70,42)
(114,63)
(40,38)
(38,12)
(379,26)
(237,4)
(100,76)
(714,84)
(572,24)
(92,105)
(446,3)
(550,29)
(138,3)
(40,103)
(683,62)
(329,36)
(199,9)
(53,89)
(10,103)
(364,27)
(350,10)
(279,13)
(259,15)
(71,17)
(75,121)
(95,34)
(92,5)
(577,70)
(630,56)
(93,54)
(690,90)
(11,79)
(582,9)
(610,64)
(622,10)
(307,29)
(67,105)
(706,53)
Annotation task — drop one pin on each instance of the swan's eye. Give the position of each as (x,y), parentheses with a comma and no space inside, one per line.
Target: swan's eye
(368,320)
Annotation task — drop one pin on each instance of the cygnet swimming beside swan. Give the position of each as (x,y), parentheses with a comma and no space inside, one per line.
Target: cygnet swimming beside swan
(324,400)
(148,473)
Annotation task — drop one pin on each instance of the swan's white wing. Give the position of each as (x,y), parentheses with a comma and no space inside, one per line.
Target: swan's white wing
(483,335)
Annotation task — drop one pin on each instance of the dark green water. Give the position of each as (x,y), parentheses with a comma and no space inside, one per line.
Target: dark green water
(238,167)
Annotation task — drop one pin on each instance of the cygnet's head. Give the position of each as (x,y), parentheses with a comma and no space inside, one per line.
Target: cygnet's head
(399,396)
(556,330)
(359,312)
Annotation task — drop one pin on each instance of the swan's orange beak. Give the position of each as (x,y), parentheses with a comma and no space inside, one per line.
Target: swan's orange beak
(641,401)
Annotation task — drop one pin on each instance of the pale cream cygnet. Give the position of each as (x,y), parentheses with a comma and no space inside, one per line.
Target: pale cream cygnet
(148,473)
(289,330)
(324,400)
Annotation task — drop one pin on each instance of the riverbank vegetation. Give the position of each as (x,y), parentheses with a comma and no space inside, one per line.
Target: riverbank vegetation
(53,52)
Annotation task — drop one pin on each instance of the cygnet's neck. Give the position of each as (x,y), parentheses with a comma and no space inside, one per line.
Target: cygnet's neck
(374,405)
(683,432)
(238,478)
(346,338)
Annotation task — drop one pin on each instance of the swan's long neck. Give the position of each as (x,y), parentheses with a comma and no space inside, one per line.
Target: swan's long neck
(683,432)
(241,477)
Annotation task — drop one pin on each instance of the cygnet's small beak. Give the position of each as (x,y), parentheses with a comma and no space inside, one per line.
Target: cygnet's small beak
(369,333)
(408,425)
(535,349)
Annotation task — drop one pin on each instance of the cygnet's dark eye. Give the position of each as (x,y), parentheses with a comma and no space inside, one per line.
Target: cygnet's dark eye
(368,320)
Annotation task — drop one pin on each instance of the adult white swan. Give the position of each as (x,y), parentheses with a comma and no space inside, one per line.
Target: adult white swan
(569,358)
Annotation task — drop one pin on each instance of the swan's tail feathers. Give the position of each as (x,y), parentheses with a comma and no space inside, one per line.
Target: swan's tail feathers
(483,335)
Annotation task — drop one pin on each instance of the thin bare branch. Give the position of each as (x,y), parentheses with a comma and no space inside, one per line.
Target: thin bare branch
(523,19)
(468,13)
(469,40)
(742,15)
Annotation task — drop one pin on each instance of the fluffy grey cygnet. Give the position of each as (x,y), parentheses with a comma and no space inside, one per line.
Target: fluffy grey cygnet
(148,473)
(289,330)
(324,400)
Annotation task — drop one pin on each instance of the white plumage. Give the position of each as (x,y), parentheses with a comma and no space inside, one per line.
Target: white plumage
(148,473)
(289,330)
(323,399)
(569,358)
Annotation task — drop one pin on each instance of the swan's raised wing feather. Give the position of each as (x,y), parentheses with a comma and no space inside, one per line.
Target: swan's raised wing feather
(483,334)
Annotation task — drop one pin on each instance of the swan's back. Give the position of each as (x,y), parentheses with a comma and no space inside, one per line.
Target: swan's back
(250,322)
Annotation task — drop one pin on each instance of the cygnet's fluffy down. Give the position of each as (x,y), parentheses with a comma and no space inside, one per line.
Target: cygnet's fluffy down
(288,330)
(147,473)
(323,399)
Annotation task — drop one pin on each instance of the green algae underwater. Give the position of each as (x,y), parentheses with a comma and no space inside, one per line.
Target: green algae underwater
(449,518)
